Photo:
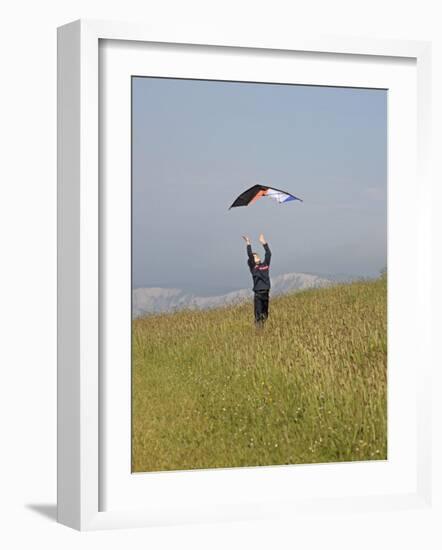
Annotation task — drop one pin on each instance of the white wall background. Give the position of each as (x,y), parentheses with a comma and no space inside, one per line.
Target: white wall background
(28,271)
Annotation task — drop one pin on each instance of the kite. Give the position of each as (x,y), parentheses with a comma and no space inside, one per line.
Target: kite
(258,191)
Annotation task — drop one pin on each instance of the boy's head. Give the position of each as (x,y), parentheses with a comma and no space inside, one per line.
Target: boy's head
(256,258)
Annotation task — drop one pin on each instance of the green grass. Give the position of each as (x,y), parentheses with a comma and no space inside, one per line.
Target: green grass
(210,390)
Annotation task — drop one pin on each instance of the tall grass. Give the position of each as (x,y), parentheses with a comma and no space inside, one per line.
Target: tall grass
(210,390)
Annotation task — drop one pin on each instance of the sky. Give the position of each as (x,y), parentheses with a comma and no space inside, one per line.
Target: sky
(196,145)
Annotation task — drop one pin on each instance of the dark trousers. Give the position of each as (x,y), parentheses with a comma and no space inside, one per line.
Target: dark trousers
(261,303)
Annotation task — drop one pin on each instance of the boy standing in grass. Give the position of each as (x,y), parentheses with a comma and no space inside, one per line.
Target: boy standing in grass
(261,279)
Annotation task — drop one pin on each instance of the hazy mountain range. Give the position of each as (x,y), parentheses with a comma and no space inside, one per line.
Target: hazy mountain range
(160,300)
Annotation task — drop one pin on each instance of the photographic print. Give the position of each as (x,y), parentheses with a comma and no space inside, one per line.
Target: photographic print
(259,274)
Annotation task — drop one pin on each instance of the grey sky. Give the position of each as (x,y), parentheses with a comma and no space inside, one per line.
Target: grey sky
(198,144)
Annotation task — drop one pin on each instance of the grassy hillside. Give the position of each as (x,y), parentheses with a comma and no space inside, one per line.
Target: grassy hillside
(210,390)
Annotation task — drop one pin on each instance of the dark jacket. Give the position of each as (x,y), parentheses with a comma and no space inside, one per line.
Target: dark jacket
(260,272)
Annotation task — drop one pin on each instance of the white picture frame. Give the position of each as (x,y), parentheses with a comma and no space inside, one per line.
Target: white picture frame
(80,265)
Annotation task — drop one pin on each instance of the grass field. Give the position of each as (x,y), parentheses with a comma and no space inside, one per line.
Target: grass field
(210,390)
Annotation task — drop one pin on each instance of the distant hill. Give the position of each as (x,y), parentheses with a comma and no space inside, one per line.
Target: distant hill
(161,300)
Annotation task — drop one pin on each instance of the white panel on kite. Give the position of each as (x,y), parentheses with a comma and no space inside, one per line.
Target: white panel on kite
(277,195)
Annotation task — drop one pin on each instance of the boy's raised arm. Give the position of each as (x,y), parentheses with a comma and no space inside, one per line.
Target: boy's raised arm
(251,260)
(268,253)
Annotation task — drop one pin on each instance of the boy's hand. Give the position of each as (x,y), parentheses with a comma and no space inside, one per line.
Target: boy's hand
(262,239)
(246,239)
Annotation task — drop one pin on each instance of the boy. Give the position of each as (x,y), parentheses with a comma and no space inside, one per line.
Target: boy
(261,279)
